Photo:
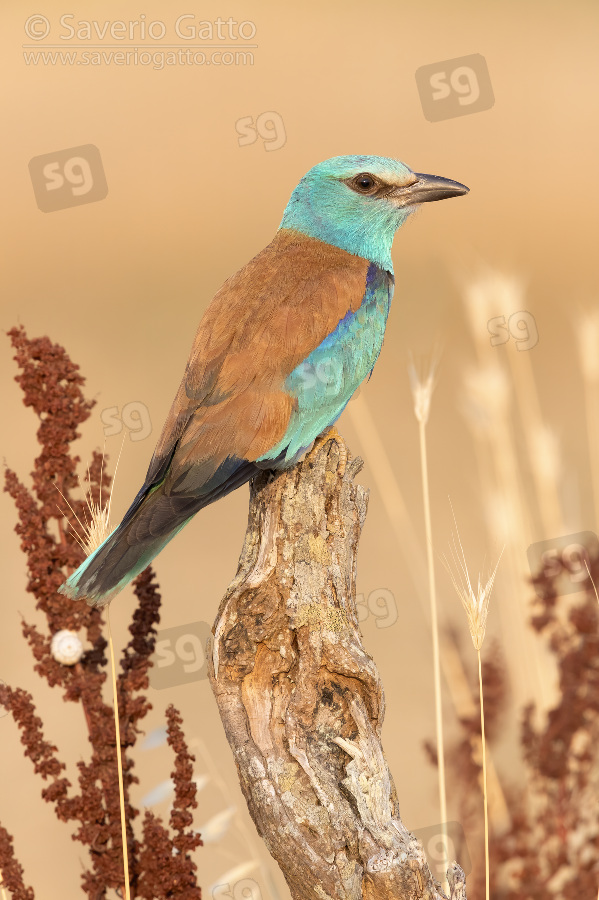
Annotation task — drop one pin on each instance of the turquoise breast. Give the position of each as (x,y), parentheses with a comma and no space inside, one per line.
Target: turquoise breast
(322,385)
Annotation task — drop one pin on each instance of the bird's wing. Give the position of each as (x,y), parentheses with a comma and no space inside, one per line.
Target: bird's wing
(265,320)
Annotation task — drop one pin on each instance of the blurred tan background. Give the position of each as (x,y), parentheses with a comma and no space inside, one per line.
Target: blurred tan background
(122,282)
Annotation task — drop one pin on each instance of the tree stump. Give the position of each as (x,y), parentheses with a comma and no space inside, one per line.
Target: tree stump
(301,700)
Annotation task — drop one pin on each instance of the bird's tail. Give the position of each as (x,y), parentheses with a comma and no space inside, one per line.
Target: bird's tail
(145,530)
(154,518)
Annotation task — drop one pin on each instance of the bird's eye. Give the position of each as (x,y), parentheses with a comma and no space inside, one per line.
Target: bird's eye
(364,182)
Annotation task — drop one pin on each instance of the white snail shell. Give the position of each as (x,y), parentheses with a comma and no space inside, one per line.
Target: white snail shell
(66,647)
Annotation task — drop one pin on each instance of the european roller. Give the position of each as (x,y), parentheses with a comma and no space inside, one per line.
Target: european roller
(314,301)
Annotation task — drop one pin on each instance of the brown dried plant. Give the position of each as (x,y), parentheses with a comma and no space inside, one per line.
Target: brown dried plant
(160,864)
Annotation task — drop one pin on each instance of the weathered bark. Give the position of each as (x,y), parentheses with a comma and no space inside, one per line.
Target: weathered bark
(302,702)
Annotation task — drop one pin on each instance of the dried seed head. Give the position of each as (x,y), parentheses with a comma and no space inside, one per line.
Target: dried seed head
(493,294)
(475,603)
(422,388)
(487,395)
(96,527)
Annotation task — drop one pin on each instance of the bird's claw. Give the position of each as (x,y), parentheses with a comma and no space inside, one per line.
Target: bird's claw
(324,437)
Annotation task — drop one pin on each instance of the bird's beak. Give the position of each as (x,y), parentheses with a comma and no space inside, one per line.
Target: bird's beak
(427,188)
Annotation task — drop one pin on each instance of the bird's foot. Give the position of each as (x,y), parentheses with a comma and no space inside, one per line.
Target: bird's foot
(324,437)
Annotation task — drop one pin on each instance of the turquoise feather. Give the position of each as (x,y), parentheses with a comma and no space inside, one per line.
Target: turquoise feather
(318,208)
(323,384)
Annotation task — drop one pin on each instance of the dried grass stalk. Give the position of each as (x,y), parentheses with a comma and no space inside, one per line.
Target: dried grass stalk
(476,606)
(422,391)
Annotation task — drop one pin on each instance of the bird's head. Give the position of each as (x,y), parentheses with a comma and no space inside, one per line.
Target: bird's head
(358,203)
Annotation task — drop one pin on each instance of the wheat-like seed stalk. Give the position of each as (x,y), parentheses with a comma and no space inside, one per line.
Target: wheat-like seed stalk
(98,531)
(422,390)
(476,605)
(493,397)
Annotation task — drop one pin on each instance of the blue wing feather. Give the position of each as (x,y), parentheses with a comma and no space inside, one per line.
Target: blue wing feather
(322,385)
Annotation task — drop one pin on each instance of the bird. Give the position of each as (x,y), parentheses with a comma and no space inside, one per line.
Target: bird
(278,353)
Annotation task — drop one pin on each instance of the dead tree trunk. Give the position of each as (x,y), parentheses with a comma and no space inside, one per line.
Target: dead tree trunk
(301,700)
